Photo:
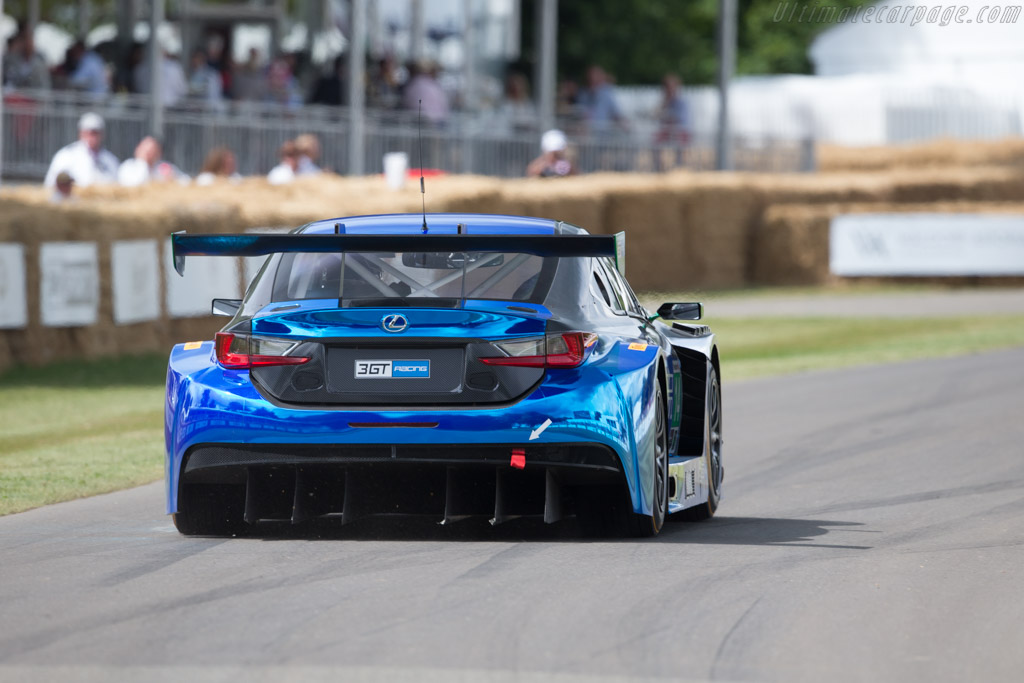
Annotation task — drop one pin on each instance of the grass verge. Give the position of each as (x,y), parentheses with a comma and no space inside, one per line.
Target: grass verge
(755,347)
(78,429)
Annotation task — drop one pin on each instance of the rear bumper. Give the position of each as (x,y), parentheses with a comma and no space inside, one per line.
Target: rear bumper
(218,428)
(215,462)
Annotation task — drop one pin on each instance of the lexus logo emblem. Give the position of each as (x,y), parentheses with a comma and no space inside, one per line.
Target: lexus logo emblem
(394,322)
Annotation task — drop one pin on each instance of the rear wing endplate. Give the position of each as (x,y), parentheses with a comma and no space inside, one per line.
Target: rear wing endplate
(183,245)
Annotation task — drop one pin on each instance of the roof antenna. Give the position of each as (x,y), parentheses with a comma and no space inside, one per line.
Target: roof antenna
(423,188)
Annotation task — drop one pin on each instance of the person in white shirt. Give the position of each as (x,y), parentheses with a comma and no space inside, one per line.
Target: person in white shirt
(308,147)
(284,172)
(85,160)
(146,166)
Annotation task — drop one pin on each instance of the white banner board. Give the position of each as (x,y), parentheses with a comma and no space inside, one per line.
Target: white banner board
(135,266)
(13,301)
(206,278)
(69,294)
(923,244)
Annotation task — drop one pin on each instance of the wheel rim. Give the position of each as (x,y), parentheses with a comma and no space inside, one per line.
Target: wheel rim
(715,445)
(660,462)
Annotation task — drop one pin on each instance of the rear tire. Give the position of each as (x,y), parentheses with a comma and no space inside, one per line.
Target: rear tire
(712,453)
(210,510)
(647,526)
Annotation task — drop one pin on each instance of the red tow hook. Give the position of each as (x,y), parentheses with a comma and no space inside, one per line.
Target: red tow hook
(518,458)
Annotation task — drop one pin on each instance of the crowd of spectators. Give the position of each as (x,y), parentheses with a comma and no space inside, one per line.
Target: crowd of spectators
(86,162)
(210,79)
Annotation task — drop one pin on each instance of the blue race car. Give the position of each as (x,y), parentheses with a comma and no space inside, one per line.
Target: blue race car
(452,365)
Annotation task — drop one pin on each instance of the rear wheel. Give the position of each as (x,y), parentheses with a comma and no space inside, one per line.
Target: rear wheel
(650,525)
(210,510)
(712,453)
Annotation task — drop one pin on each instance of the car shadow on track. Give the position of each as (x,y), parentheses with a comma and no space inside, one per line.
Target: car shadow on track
(762,531)
(716,531)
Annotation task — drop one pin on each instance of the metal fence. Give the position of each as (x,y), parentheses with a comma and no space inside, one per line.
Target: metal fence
(37,124)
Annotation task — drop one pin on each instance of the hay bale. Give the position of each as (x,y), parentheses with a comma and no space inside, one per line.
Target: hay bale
(937,154)
(792,248)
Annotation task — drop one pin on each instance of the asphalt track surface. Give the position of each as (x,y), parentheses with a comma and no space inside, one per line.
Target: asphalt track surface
(872,529)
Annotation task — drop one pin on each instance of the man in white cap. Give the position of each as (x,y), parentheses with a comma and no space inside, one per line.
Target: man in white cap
(85,160)
(553,161)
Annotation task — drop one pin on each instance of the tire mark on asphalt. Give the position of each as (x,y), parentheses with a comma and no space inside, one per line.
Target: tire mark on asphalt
(906,499)
(152,566)
(713,675)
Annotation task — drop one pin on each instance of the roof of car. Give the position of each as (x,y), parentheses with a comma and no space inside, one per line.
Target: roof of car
(437,224)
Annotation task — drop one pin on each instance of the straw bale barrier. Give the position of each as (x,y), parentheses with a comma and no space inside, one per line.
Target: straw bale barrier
(685,230)
(936,154)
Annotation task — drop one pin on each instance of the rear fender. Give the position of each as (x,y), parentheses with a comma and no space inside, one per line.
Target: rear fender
(695,355)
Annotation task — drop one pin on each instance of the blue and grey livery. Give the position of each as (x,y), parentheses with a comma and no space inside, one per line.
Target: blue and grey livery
(497,366)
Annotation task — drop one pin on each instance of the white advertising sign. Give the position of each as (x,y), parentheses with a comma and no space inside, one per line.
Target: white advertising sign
(136,281)
(13,302)
(69,294)
(206,278)
(923,244)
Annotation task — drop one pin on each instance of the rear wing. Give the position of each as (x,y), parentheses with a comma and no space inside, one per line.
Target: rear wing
(183,245)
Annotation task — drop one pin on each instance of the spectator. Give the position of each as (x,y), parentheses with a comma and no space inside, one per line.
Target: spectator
(173,86)
(424,88)
(249,81)
(308,147)
(517,109)
(567,99)
(384,86)
(23,66)
(136,79)
(553,161)
(598,101)
(90,73)
(146,166)
(204,82)
(281,85)
(331,89)
(85,160)
(673,115)
(215,59)
(219,163)
(62,190)
(285,172)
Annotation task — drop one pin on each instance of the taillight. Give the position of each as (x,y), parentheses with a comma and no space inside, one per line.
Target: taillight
(564,350)
(238,351)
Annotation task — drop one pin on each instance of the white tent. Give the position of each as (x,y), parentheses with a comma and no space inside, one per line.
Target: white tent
(974,40)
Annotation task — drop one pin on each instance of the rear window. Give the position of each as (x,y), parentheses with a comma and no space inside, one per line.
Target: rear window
(418,278)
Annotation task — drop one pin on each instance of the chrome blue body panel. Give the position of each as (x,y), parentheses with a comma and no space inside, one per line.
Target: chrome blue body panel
(608,401)
(324,320)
